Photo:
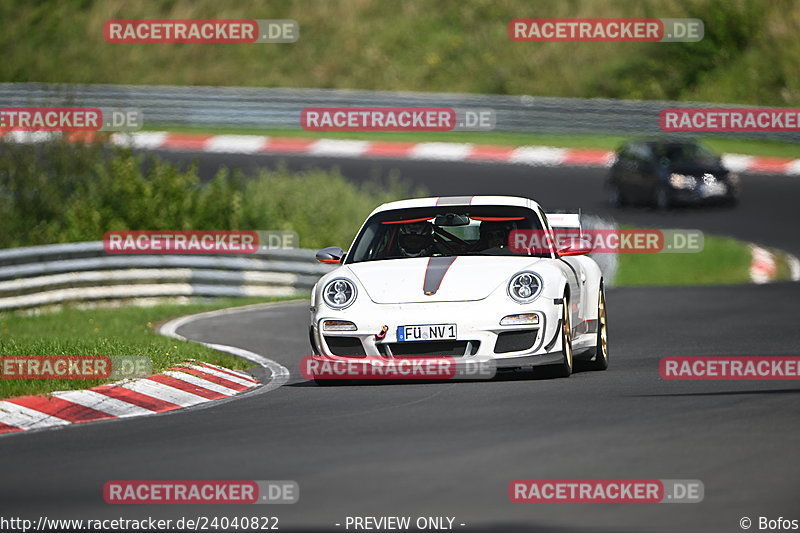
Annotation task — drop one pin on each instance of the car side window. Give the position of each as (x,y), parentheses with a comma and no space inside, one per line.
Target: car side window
(640,153)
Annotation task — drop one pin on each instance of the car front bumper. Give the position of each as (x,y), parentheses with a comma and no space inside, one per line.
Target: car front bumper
(699,195)
(478,330)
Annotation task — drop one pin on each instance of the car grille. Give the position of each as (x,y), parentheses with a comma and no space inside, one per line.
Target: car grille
(431,348)
(515,341)
(345,346)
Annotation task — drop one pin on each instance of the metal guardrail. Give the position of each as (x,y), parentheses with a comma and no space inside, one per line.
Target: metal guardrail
(280,108)
(54,274)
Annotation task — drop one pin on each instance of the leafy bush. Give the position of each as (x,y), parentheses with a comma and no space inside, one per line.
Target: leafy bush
(58,192)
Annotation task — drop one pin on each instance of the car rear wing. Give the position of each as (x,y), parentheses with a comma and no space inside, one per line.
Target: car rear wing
(568,233)
(565,221)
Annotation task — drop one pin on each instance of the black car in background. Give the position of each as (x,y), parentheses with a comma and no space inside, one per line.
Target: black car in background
(668,172)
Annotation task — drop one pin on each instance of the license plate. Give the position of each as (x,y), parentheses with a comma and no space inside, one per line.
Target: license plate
(428,332)
(713,189)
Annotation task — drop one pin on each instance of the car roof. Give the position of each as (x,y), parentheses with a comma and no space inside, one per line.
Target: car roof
(434,201)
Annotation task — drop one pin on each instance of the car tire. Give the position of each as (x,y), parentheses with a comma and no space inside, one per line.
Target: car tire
(600,359)
(314,349)
(661,199)
(614,195)
(564,369)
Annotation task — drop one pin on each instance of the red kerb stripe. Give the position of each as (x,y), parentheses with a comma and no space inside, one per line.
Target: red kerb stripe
(60,408)
(229,372)
(136,398)
(5,428)
(187,387)
(212,378)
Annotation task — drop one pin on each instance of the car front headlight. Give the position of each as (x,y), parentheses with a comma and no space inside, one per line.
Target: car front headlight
(525,287)
(681,181)
(339,293)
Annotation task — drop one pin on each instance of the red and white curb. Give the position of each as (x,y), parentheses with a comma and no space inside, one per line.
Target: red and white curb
(191,385)
(764,268)
(546,156)
(762,265)
(179,387)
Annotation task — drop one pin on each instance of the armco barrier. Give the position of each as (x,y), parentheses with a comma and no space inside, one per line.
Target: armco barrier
(280,108)
(46,275)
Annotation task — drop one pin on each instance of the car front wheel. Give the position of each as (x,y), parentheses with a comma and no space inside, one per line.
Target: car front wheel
(614,195)
(662,200)
(600,360)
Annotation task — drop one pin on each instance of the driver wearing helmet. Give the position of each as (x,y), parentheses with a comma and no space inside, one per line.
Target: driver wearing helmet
(416,239)
(494,237)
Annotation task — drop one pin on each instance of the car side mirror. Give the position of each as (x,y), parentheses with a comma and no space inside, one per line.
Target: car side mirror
(331,255)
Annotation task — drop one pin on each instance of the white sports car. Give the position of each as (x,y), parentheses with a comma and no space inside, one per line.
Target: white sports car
(437,277)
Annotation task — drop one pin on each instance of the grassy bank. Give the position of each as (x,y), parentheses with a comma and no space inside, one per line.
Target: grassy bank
(748,55)
(723,261)
(123,331)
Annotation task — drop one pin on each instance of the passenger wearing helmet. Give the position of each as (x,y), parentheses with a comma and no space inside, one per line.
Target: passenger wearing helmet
(494,237)
(416,239)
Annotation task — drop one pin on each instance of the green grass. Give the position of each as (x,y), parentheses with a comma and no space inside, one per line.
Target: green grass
(122,331)
(724,260)
(759,147)
(749,54)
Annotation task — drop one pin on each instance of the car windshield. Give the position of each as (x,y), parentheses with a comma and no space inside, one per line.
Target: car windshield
(684,153)
(442,231)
